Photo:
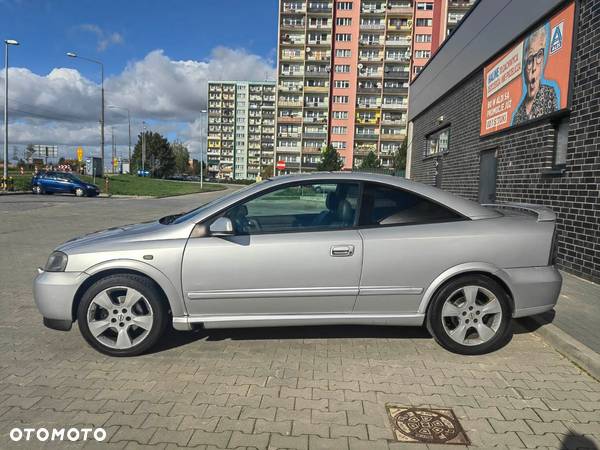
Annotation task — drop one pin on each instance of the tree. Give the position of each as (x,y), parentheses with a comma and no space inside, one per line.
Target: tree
(15,155)
(330,160)
(160,159)
(266,172)
(399,161)
(29,151)
(370,162)
(182,157)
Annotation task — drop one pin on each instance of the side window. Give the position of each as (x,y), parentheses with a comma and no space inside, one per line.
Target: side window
(302,207)
(384,205)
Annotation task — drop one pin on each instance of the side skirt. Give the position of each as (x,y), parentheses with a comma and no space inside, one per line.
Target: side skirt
(284,320)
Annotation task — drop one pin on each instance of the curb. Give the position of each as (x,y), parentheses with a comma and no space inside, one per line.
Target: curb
(579,354)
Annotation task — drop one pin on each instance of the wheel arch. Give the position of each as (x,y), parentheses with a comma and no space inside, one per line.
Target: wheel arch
(163,284)
(489,270)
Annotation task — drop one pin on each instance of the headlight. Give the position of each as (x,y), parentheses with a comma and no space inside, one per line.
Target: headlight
(57,262)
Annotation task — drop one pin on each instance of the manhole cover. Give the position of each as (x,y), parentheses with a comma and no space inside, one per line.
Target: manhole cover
(426,425)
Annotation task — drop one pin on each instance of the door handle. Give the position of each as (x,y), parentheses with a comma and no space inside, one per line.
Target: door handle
(342,250)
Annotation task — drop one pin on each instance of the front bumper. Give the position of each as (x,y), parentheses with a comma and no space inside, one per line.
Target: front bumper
(53,293)
(535,289)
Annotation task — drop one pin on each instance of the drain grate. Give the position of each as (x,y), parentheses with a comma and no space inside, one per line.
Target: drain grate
(426,425)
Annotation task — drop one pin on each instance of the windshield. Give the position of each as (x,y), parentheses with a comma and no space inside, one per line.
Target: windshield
(182,217)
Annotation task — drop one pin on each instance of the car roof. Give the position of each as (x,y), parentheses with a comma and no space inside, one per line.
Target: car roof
(463,206)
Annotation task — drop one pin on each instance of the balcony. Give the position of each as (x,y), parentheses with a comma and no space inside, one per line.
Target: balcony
(398,43)
(288,9)
(368,9)
(368,43)
(290,104)
(287,73)
(311,150)
(288,134)
(287,41)
(292,26)
(325,42)
(400,106)
(397,122)
(363,58)
(289,119)
(316,74)
(372,26)
(399,27)
(292,57)
(315,119)
(367,121)
(393,137)
(319,8)
(395,89)
(400,9)
(361,105)
(366,136)
(288,149)
(316,104)
(396,74)
(316,88)
(319,26)
(368,90)
(315,134)
(374,74)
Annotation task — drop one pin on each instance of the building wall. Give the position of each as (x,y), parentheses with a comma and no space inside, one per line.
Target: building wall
(524,153)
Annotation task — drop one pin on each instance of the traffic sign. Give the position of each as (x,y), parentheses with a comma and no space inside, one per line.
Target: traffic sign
(280,165)
(79,154)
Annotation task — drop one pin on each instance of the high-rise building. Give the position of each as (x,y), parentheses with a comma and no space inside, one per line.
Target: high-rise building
(434,20)
(241,128)
(343,71)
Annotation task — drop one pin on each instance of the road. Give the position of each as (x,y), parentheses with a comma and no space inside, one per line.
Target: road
(313,387)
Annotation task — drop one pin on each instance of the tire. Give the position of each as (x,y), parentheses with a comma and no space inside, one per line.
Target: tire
(79,192)
(470,315)
(38,190)
(105,309)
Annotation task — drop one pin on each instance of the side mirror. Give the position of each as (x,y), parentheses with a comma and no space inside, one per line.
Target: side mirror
(221,227)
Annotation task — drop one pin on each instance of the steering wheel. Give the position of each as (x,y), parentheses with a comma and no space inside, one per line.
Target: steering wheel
(252,225)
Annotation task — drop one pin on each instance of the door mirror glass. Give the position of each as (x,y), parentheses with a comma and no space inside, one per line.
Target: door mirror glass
(223,226)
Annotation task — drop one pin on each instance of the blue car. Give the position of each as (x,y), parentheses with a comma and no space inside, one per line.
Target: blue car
(62,182)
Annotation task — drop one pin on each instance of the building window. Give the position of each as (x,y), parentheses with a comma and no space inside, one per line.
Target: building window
(423,38)
(343,53)
(345,6)
(339,130)
(342,84)
(417,69)
(423,6)
(343,21)
(437,142)
(340,99)
(423,54)
(561,141)
(340,114)
(343,37)
(342,68)
(338,145)
(421,22)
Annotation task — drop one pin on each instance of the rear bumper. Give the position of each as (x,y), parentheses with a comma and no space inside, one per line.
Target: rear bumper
(53,293)
(535,289)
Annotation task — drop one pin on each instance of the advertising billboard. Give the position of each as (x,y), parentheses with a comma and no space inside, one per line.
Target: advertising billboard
(531,79)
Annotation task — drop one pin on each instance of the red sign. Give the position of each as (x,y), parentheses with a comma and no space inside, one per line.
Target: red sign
(280,165)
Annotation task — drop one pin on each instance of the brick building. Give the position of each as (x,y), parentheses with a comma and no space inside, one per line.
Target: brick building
(478,128)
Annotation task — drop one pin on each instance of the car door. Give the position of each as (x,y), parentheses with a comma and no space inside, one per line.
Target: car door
(49,182)
(295,251)
(408,240)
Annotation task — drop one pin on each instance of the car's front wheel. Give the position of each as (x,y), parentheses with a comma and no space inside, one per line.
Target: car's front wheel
(470,315)
(79,192)
(122,315)
(38,190)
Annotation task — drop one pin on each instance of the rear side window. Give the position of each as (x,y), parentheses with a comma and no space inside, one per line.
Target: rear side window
(383,205)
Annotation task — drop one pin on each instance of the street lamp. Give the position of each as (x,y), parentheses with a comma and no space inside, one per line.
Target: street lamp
(203,112)
(129,121)
(75,55)
(7,42)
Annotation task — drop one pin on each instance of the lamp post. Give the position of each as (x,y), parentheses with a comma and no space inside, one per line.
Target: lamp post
(204,112)
(129,122)
(7,42)
(143,146)
(75,55)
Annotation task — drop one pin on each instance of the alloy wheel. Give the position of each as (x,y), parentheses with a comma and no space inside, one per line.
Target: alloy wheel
(471,315)
(120,317)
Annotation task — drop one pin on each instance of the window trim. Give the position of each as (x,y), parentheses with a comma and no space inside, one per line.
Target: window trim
(356,226)
(437,131)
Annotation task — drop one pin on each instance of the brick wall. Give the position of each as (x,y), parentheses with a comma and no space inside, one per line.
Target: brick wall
(524,153)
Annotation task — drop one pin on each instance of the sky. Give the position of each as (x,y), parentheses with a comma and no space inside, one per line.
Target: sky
(157,57)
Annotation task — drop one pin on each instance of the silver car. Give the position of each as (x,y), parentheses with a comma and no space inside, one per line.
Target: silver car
(318,249)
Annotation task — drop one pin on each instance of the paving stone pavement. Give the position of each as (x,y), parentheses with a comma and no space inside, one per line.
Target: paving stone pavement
(296,388)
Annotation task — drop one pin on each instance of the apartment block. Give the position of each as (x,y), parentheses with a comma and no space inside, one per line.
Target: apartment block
(343,72)
(434,21)
(241,128)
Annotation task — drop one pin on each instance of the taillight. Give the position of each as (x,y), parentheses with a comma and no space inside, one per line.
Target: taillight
(553,248)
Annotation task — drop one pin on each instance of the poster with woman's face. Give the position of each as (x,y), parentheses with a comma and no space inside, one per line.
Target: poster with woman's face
(531,80)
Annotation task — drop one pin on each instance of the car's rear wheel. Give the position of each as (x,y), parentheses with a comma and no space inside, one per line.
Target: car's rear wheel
(122,315)
(79,192)
(470,315)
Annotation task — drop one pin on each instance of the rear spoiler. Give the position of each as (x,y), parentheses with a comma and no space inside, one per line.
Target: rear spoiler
(543,214)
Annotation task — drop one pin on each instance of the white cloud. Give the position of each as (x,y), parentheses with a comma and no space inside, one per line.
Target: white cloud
(104,38)
(63,107)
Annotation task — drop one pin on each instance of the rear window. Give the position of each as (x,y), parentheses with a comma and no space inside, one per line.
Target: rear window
(383,205)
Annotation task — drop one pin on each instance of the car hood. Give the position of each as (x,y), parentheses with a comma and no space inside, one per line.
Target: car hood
(125,233)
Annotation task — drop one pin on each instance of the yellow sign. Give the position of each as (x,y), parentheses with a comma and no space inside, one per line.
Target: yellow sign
(79,154)
(116,162)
